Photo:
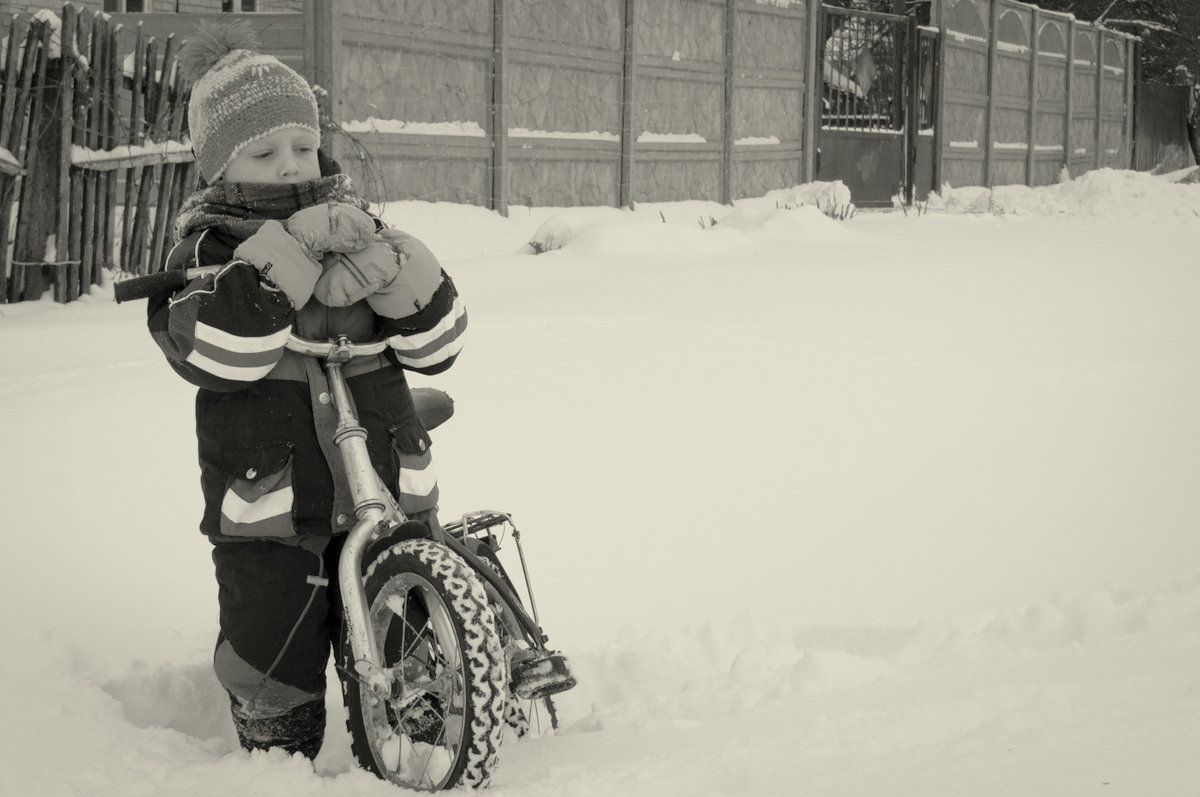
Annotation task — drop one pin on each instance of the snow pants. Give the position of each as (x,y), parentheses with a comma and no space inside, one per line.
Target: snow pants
(280,617)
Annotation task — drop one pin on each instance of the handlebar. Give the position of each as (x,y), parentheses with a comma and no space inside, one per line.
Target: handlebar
(340,350)
(145,287)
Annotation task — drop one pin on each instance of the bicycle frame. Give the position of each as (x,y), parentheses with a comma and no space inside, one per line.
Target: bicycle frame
(378,513)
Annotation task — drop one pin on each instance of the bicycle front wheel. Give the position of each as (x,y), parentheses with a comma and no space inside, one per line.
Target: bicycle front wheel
(441,724)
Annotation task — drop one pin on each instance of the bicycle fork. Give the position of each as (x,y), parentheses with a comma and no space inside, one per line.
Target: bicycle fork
(375,508)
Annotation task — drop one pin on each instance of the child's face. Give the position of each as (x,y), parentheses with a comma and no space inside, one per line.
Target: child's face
(285,156)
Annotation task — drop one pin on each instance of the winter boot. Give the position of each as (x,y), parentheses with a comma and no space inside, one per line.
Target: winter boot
(298,730)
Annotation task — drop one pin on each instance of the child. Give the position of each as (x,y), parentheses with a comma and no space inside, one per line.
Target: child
(276,497)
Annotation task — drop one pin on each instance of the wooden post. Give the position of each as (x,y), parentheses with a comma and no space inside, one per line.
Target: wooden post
(79,121)
(10,100)
(136,136)
(989,132)
(628,79)
(497,119)
(8,80)
(91,124)
(111,130)
(813,81)
(66,95)
(167,125)
(185,174)
(101,103)
(37,219)
(141,214)
(1034,62)
(727,126)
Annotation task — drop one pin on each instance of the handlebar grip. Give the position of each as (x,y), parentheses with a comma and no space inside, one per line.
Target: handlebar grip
(150,285)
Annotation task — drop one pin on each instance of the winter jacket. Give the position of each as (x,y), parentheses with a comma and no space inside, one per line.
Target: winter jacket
(268,466)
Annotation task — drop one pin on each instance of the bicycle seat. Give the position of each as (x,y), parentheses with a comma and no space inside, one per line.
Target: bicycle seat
(434,407)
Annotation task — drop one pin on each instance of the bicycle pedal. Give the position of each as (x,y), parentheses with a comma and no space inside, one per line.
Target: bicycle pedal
(537,677)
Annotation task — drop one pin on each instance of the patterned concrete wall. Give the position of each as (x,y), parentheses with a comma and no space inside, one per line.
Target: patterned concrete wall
(966,32)
(1050,115)
(562,86)
(564,102)
(411,91)
(1011,92)
(1116,105)
(769,108)
(1026,93)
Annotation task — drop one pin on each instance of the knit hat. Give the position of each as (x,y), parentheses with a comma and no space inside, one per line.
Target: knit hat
(239,95)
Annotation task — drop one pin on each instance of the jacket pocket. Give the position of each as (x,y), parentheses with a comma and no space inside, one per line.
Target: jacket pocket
(416,480)
(259,495)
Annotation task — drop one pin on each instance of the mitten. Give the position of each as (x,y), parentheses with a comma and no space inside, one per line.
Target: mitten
(348,277)
(280,259)
(331,227)
(396,274)
(420,277)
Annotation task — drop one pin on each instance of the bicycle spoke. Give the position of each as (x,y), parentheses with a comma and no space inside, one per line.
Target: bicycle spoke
(419,634)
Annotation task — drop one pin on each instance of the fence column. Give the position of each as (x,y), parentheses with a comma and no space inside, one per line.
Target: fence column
(625,190)
(939,99)
(727,126)
(1068,148)
(322,41)
(813,83)
(1099,159)
(1034,59)
(497,119)
(1138,99)
(989,135)
(1131,77)
(912,126)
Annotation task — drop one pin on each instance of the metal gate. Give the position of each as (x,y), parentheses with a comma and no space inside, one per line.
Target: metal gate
(877,116)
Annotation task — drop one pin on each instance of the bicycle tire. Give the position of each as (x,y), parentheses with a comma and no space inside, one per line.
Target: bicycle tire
(443,724)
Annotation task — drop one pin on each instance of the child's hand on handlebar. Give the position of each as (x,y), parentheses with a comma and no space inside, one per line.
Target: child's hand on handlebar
(331,227)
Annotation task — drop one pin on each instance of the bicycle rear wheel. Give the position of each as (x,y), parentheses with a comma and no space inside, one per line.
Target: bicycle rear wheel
(442,722)
(524,716)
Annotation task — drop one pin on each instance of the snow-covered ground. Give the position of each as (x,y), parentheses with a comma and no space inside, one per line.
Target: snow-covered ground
(901,505)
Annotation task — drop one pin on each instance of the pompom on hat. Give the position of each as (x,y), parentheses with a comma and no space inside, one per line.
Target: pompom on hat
(239,95)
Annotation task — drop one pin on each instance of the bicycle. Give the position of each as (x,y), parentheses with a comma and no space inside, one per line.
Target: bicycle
(438,653)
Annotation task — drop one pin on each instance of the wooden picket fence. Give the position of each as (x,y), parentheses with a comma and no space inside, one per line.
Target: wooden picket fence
(97,170)
(16,88)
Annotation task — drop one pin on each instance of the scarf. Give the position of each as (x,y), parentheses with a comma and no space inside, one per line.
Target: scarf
(239,209)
